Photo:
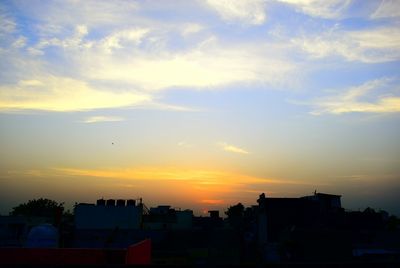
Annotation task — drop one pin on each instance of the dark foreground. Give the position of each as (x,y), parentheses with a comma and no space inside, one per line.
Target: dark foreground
(395,264)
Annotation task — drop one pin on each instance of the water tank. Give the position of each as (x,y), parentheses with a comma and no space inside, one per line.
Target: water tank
(101,202)
(120,203)
(42,236)
(110,202)
(131,202)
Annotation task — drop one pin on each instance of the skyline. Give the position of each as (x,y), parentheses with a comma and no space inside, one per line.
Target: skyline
(200,104)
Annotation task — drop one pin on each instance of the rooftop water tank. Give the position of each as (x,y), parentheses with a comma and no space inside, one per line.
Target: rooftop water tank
(120,203)
(42,236)
(131,202)
(101,202)
(110,202)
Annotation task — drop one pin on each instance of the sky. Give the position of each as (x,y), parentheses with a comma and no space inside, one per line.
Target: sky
(200,104)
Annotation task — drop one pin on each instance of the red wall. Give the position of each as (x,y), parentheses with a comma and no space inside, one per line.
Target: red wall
(139,253)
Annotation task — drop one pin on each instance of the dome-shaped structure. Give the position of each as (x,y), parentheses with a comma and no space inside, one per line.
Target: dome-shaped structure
(42,236)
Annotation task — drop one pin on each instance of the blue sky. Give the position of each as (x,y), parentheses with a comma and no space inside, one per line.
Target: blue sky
(200,103)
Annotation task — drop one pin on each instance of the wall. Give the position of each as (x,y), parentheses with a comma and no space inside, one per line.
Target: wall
(107,217)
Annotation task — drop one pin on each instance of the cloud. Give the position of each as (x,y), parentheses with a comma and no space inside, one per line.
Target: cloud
(185,144)
(176,185)
(142,58)
(350,100)
(128,37)
(7,23)
(201,177)
(240,11)
(371,45)
(231,148)
(199,68)
(212,201)
(73,41)
(61,14)
(329,9)
(97,119)
(63,94)
(387,9)
(20,42)
(191,28)
(93,61)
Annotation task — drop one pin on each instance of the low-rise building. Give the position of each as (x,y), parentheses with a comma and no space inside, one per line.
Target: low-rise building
(109,215)
(167,218)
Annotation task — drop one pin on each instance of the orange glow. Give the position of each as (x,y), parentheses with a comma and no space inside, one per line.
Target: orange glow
(212,201)
(200,176)
(213,188)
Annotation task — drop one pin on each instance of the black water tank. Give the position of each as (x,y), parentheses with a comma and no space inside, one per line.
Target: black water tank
(101,202)
(131,202)
(120,203)
(111,202)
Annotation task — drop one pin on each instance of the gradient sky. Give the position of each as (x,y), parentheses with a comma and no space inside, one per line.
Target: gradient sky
(200,104)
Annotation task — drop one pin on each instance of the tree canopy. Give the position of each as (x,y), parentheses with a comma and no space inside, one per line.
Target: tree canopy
(41,207)
(235,215)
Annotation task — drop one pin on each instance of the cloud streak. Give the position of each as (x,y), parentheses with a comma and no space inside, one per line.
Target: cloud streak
(202,177)
(82,67)
(360,99)
(62,94)
(197,186)
(102,118)
(231,148)
(374,45)
(251,12)
(387,9)
(329,9)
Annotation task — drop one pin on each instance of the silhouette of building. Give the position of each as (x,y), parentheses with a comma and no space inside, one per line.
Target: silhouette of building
(214,221)
(312,228)
(284,223)
(109,215)
(167,218)
(108,224)
(327,202)
(13,231)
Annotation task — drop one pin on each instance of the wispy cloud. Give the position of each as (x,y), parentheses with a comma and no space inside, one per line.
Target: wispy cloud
(127,66)
(361,99)
(366,178)
(202,177)
(209,64)
(7,23)
(371,45)
(212,201)
(329,9)
(54,93)
(191,28)
(102,118)
(209,187)
(185,144)
(231,148)
(240,11)
(387,9)
(190,185)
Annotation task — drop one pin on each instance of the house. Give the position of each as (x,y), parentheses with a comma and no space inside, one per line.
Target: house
(108,224)
(167,218)
(108,215)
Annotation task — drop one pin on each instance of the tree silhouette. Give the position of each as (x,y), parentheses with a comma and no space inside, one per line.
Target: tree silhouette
(235,215)
(41,207)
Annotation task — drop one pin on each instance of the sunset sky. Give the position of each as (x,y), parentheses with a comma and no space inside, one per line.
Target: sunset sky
(200,104)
